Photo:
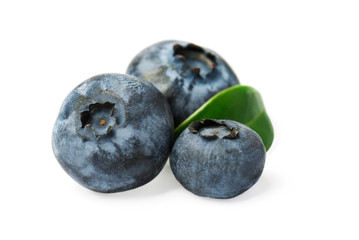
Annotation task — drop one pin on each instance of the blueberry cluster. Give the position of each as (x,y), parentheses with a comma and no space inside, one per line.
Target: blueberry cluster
(115,132)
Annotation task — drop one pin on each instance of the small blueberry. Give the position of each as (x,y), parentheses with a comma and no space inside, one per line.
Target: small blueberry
(218,158)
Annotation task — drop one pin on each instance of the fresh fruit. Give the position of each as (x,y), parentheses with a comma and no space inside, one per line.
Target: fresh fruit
(113,133)
(218,158)
(187,74)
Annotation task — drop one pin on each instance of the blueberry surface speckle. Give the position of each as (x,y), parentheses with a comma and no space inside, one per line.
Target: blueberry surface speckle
(113,133)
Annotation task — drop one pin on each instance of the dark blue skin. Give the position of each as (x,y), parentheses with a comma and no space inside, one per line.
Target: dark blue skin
(218,158)
(188,75)
(113,133)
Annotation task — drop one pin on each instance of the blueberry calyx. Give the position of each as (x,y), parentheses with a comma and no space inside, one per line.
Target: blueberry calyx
(212,129)
(195,59)
(99,118)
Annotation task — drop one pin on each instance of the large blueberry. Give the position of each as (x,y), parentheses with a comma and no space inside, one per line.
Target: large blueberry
(188,75)
(113,133)
(218,158)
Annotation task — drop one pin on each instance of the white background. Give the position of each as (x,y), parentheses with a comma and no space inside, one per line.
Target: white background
(303,56)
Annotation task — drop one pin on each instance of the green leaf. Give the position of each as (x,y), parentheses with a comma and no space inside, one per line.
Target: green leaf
(239,103)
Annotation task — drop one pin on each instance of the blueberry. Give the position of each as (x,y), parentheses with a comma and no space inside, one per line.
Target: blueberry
(218,158)
(188,75)
(113,133)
